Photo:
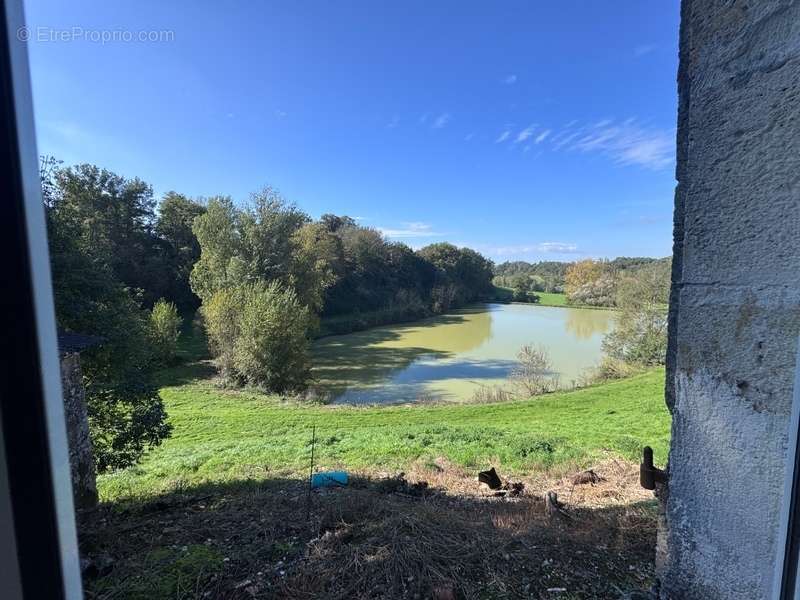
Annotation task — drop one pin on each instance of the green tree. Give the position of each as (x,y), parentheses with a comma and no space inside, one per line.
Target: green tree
(267,228)
(240,246)
(126,414)
(222,258)
(176,215)
(272,349)
(317,261)
(462,275)
(112,219)
(165,328)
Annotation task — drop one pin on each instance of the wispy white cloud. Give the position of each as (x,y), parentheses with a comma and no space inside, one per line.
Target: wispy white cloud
(423,118)
(395,121)
(542,136)
(633,220)
(644,49)
(510,79)
(468,137)
(441,120)
(559,247)
(532,249)
(280,113)
(410,229)
(626,143)
(630,144)
(525,134)
(565,136)
(503,136)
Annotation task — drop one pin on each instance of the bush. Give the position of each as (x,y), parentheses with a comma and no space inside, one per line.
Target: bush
(165,328)
(272,350)
(600,292)
(609,369)
(489,394)
(534,374)
(640,337)
(221,319)
(523,296)
(259,335)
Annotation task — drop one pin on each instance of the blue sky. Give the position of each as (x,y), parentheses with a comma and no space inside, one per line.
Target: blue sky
(527,130)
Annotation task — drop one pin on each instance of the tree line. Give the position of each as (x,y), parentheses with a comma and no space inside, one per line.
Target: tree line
(551,276)
(637,287)
(264,275)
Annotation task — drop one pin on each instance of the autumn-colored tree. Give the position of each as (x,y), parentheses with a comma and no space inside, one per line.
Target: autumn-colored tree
(581,273)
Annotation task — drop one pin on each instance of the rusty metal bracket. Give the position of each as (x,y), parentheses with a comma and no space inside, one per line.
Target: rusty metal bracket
(649,475)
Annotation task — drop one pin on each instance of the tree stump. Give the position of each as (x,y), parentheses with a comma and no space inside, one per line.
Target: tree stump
(491,479)
(555,509)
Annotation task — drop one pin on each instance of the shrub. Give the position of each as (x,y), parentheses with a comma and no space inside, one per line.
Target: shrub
(488,394)
(165,328)
(525,296)
(600,292)
(534,373)
(640,337)
(221,318)
(609,369)
(272,347)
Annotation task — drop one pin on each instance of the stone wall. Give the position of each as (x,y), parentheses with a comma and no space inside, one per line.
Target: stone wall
(735,315)
(84,487)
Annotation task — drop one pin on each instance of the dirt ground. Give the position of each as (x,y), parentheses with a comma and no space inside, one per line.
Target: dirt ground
(431,533)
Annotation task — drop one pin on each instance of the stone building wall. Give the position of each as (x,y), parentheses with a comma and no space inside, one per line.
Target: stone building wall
(81,460)
(735,315)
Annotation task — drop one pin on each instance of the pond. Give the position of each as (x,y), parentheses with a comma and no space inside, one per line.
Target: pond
(449,357)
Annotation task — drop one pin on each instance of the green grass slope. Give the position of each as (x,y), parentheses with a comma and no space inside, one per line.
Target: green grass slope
(549,299)
(229,436)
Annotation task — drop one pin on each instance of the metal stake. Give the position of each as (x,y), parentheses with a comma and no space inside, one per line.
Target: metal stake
(311,471)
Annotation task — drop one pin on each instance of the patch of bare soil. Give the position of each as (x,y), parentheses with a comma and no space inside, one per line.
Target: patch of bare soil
(432,533)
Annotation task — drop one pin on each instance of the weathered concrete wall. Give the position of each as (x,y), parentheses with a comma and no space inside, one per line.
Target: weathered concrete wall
(84,487)
(736,294)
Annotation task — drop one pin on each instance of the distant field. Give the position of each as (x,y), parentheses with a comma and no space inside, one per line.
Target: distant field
(504,294)
(548,299)
(229,436)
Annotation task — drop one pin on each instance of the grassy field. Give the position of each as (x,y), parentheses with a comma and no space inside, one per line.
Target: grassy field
(548,299)
(224,436)
(221,509)
(504,294)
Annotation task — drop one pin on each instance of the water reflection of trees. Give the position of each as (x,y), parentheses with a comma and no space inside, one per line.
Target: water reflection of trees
(368,358)
(583,323)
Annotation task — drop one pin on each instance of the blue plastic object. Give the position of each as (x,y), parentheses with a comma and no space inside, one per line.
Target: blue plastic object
(329,479)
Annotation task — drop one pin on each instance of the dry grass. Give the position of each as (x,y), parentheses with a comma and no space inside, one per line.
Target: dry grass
(381,537)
